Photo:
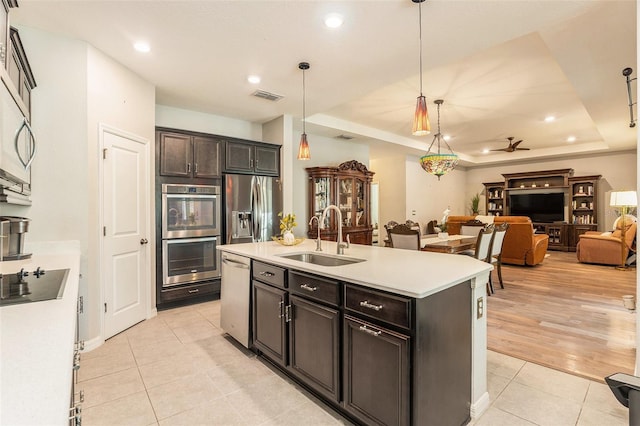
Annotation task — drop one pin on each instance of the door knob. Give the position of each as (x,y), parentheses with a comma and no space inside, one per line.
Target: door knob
(143,241)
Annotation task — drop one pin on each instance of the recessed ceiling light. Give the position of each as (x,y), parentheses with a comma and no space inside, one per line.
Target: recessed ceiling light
(333,20)
(142,46)
(446,137)
(485,151)
(571,139)
(253,79)
(549,118)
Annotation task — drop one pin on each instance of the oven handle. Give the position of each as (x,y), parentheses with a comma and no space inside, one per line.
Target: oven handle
(190,240)
(191,195)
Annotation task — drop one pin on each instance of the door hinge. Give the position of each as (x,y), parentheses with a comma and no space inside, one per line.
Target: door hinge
(104,231)
(105,307)
(104,153)
(80,304)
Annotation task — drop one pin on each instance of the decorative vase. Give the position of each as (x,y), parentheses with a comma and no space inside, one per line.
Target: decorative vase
(288,238)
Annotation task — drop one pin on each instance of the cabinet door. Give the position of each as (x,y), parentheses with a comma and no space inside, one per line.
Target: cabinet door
(269,329)
(376,373)
(205,157)
(267,160)
(345,200)
(175,155)
(239,157)
(315,345)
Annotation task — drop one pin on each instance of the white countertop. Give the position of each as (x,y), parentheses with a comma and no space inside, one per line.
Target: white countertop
(407,272)
(37,342)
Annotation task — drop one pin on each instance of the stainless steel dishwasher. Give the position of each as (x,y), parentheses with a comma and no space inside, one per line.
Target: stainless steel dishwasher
(235,296)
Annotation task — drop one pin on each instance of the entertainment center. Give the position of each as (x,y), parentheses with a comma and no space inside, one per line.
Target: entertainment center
(559,204)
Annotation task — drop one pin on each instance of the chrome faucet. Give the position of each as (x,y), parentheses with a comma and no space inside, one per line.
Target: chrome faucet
(318,240)
(340,246)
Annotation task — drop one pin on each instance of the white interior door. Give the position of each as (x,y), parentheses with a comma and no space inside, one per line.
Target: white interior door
(126,229)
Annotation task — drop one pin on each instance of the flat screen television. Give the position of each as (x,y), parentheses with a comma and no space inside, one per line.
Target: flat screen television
(539,207)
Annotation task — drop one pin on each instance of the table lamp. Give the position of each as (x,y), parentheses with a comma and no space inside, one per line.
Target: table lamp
(623,200)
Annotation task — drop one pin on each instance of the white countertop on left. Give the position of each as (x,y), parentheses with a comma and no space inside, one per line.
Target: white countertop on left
(408,272)
(37,342)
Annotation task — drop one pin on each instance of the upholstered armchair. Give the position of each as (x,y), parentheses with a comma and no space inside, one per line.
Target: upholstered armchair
(606,247)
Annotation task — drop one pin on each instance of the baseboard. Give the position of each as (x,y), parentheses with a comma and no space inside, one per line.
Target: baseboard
(480,406)
(92,344)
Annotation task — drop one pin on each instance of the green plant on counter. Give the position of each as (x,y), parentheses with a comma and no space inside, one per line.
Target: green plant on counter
(288,222)
(475,204)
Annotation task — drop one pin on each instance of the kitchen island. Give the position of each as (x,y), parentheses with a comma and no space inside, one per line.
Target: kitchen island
(37,343)
(390,336)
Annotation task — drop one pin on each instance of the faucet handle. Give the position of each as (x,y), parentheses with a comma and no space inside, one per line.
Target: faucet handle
(348,241)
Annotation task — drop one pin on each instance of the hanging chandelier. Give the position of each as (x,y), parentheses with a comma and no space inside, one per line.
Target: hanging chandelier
(421,125)
(303,148)
(437,163)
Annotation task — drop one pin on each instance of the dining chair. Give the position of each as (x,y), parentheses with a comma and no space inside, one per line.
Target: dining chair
(495,256)
(387,227)
(472,228)
(403,237)
(483,249)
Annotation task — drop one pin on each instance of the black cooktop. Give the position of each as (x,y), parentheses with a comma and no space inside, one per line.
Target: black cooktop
(32,286)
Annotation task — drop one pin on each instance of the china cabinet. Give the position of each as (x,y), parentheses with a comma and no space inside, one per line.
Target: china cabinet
(348,187)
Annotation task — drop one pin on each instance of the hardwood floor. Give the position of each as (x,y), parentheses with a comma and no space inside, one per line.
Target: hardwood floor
(565,315)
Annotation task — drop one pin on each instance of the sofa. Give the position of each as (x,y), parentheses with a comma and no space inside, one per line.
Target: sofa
(522,246)
(606,248)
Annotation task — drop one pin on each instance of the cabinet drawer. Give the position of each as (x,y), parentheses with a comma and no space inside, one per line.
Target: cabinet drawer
(314,287)
(195,290)
(385,307)
(269,274)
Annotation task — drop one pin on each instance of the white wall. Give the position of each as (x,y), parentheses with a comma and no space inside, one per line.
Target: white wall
(77,88)
(177,118)
(618,172)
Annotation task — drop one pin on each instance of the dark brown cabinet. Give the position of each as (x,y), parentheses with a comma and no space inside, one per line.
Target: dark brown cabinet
(348,186)
(19,69)
(252,158)
(187,155)
(269,325)
(376,373)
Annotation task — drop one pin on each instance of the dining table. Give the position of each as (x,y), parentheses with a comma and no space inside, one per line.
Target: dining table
(452,244)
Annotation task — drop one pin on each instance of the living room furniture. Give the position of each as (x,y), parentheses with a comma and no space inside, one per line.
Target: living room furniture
(607,248)
(521,245)
(404,237)
(581,202)
(482,250)
(347,186)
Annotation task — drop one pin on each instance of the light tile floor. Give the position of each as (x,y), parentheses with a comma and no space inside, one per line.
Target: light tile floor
(180,369)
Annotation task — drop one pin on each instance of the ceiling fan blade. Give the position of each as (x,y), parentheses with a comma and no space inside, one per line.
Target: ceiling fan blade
(515,144)
(523,149)
(501,149)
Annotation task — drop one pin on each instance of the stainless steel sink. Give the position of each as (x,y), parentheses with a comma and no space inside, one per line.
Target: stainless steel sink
(321,259)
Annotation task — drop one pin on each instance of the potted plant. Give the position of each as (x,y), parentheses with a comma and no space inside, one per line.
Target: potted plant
(287,223)
(475,204)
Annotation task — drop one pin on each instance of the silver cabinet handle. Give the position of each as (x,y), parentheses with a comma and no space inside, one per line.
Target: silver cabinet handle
(287,313)
(267,274)
(366,304)
(188,167)
(370,331)
(280,310)
(308,287)
(32,140)
(194,290)
(195,168)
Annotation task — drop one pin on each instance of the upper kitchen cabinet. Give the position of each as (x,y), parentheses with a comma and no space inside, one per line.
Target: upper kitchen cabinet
(252,158)
(19,69)
(188,155)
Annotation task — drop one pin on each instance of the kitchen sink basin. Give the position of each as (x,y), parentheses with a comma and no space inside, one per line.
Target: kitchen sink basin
(321,259)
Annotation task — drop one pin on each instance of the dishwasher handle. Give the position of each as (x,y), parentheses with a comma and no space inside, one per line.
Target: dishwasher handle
(234,263)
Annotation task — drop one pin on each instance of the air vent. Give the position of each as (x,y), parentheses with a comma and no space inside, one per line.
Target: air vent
(267,95)
(345,137)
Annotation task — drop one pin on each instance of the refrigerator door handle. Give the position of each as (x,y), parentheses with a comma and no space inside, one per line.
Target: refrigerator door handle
(255,209)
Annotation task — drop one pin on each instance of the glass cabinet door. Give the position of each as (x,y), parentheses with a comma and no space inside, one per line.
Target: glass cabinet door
(322,197)
(360,213)
(345,200)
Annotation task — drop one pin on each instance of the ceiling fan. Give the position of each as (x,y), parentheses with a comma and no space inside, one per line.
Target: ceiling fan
(513,146)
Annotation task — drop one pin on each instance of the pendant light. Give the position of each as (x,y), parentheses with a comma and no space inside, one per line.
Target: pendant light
(303,148)
(421,125)
(438,164)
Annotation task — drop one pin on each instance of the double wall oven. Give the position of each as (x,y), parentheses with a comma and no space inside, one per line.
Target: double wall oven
(191,230)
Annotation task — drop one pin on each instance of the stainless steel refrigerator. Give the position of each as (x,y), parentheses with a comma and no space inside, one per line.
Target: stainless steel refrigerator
(252,207)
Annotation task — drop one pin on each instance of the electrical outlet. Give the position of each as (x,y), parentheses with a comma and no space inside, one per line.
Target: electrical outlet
(480,307)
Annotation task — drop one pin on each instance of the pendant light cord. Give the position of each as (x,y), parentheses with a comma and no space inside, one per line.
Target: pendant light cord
(304,103)
(420,26)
